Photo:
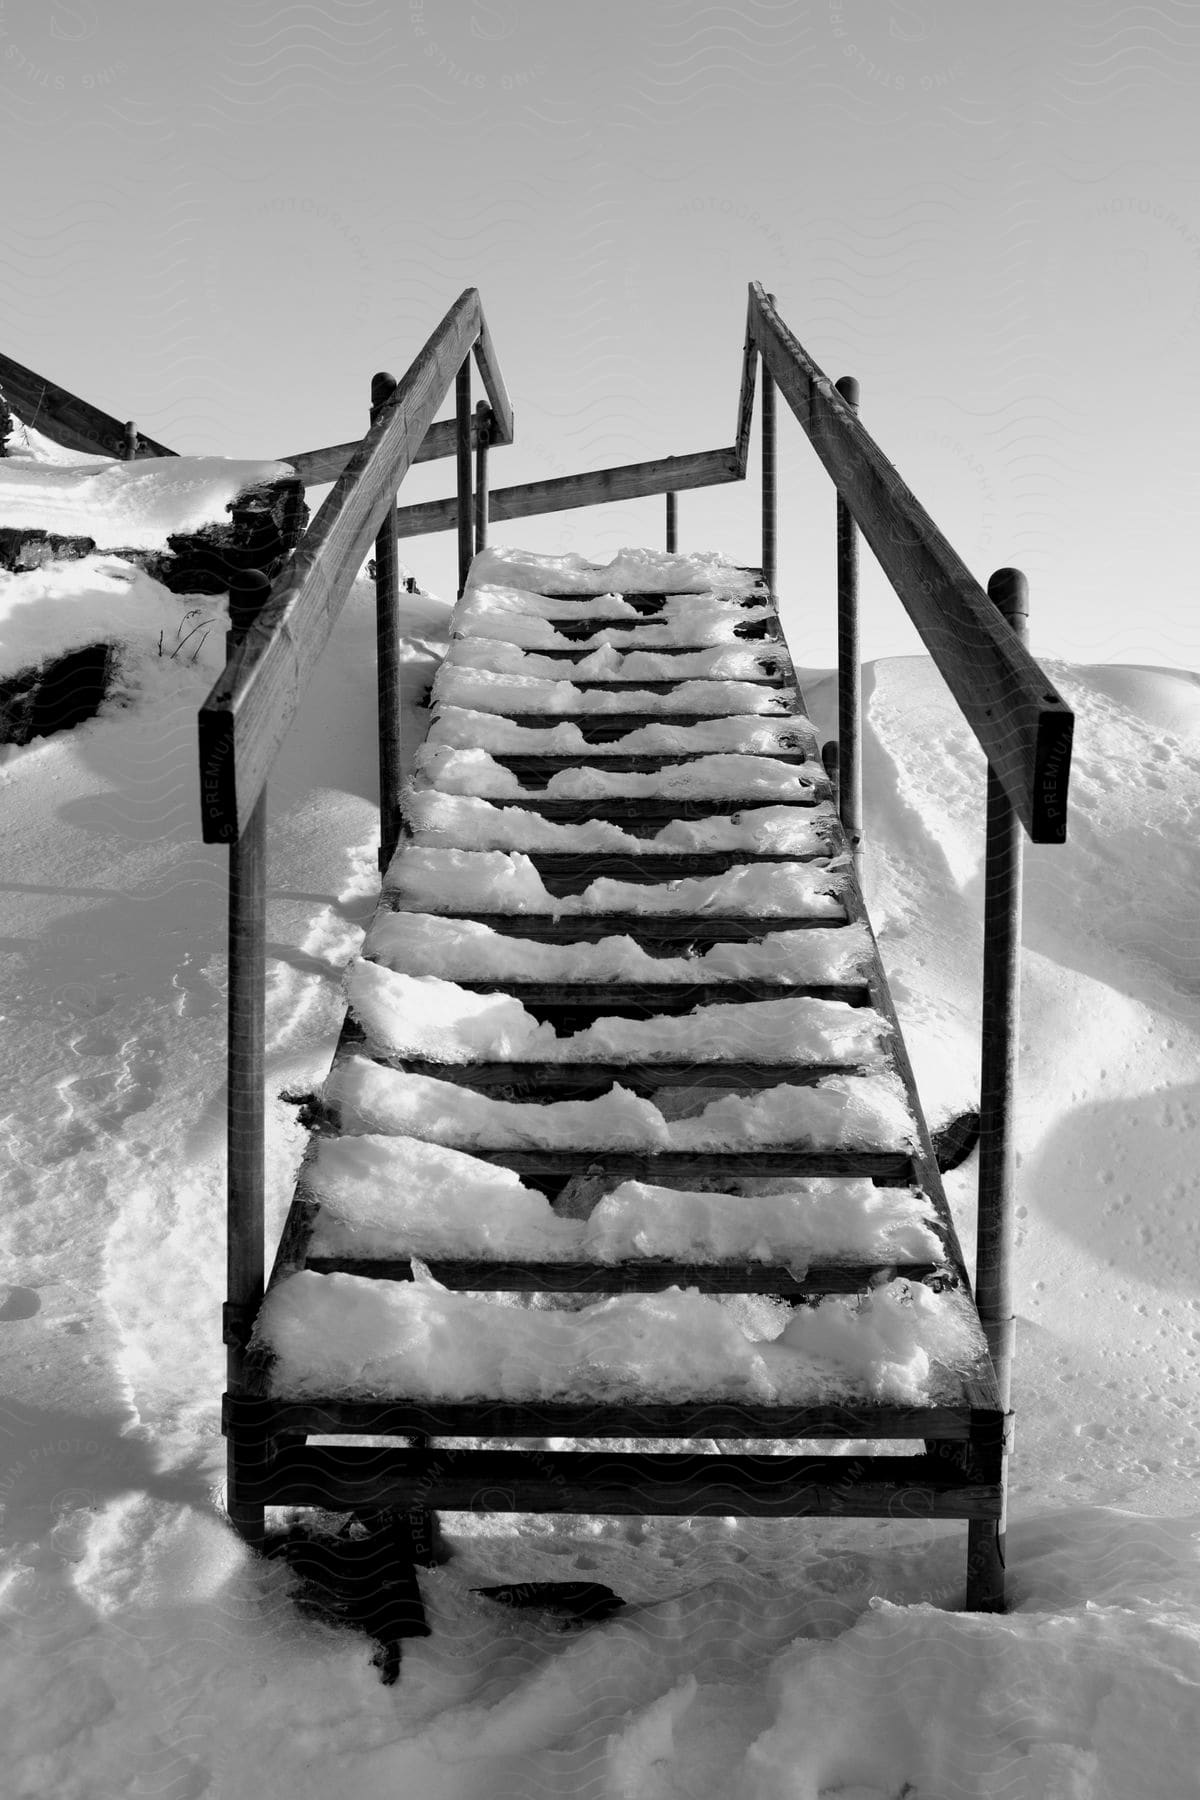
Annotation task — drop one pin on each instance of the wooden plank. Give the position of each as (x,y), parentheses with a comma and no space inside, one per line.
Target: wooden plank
(327,1416)
(565,872)
(671,1167)
(711,928)
(62,416)
(532,766)
(647,1276)
(604,728)
(1023,725)
(646,816)
(244,719)
(535,1081)
(647,999)
(353,1477)
(746,393)
(316,467)
(493,383)
(595,487)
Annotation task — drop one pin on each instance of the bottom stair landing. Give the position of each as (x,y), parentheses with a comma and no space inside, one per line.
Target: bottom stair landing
(619,1199)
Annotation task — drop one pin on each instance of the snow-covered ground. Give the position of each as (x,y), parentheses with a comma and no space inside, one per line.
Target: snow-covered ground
(143,1651)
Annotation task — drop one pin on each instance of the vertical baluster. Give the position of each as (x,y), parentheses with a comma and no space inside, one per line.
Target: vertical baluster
(462,414)
(387,653)
(768,478)
(130,450)
(672,524)
(1003,859)
(483,434)
(245,1101)
(849,662)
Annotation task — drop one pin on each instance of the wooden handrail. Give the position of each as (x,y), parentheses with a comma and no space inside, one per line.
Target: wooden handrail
(74,423)
(629,481)
(1023,726)
(315,467)
(247,713)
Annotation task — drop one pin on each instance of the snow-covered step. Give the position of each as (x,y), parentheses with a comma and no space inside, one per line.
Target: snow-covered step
(502,883)
(624,705)
(373,1205)
(717,780)
(609,667)
(461,821)
(429,1018)
(471,951)
(345,1336)
(616,744)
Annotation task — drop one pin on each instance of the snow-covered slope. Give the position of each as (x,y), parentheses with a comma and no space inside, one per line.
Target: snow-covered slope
(145,1651)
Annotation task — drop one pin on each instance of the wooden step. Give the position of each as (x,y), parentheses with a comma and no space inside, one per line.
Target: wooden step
(350,1478)
(667,930)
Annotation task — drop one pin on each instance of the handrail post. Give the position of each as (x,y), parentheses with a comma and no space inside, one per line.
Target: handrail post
(483,433)
(672,523)
(462,415)
(1009,591)
(387,654)
(849,661)
(245,1097)
(768,478)
(130,449)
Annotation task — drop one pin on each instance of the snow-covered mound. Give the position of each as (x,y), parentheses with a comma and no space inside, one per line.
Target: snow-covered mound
(129,505)
(144,1650)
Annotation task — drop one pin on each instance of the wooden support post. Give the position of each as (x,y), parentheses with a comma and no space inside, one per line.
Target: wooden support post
(849,662)
(483,434)
(829,762)
(129,453)
(462,415)
(672,523)
(768,478)
(1009,590)
(387,654)
(245,1099)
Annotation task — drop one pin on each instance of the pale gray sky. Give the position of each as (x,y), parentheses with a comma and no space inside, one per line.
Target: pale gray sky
(223,217)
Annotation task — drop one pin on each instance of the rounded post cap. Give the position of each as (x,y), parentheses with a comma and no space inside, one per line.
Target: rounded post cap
(847,387)
(248,591)
(1008,589)
(383,386)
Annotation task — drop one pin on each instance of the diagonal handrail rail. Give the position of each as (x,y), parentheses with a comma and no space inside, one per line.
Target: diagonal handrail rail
(315,467)
(1023,725)
(247,713)
(74,423)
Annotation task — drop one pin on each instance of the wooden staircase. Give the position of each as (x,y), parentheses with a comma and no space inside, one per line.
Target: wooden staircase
(620,833)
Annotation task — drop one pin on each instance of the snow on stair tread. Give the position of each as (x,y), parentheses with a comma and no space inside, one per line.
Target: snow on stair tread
(502,882)
(665,632)
(349,1335)
(455,769)
(464,727)
(483,690)
(416,943)
(378,1197)
(427,1017)
(634,570)
(464,822)
(858,1112)
(486,604)
(741,662)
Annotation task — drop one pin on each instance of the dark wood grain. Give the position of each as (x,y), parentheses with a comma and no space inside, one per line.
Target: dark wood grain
(1023,725)
(66,419)
(245,718)
(595,487)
